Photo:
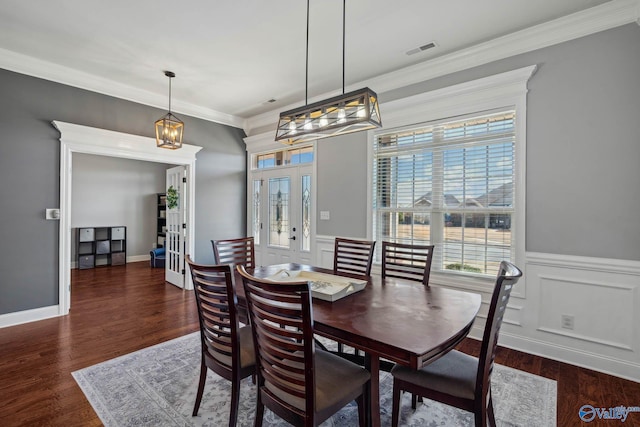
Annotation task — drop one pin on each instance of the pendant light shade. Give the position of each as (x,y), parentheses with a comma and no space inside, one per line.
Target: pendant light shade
(169,128)
(350,112)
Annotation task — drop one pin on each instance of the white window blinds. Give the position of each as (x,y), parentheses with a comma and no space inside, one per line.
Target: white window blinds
(450,184)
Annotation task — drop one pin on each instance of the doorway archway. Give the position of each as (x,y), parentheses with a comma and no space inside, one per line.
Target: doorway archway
(84,139)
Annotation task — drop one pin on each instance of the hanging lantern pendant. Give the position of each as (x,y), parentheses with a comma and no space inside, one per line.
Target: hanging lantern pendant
(169,128)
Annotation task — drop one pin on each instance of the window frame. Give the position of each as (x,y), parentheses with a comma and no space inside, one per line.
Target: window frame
(501,91)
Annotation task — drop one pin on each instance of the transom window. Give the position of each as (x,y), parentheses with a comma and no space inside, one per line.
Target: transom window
(292,156)
(449,183)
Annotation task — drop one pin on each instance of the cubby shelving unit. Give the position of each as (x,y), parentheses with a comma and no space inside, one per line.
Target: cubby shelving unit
(98,246)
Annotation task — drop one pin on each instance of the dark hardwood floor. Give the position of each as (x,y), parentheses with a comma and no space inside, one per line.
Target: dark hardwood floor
(117,310)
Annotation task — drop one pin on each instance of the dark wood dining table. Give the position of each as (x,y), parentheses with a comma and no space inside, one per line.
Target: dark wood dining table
(398,320)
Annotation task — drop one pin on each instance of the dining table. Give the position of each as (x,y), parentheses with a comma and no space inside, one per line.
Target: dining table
(390,319)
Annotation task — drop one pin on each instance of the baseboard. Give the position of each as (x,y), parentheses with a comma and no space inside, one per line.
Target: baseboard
(26,316)
(138,258)
(134,258)
(597,362)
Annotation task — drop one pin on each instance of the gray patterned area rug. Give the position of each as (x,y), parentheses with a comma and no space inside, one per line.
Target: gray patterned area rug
(156,386)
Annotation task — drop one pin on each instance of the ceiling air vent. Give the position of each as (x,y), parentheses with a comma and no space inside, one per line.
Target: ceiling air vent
(422,48)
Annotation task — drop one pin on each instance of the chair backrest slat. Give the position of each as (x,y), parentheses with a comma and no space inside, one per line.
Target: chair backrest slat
(235,251)
(406,261)
(353,256)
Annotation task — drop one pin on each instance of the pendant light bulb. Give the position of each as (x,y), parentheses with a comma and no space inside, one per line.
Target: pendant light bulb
(307,123)
(342,117)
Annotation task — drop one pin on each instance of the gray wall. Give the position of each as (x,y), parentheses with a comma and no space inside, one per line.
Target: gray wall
(110,191)
(29,171)
(342,187)
(583,148)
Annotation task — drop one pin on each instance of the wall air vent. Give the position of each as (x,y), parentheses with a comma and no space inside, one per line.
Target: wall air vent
(421,48)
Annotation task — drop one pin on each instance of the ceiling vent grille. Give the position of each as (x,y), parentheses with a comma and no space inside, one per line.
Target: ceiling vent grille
(422,48)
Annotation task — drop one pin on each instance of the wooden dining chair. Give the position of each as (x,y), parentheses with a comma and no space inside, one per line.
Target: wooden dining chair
(227,348)
(353,256)
(235,251)
(405,261)
(456,378)
(299,383)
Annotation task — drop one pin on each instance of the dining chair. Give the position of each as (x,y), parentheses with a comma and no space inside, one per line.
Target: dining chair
(227,348)
(353,256)
(235,251)
(299,383)
(456,378)
(406,261)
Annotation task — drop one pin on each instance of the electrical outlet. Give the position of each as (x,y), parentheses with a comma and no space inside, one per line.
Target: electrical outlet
(567,321)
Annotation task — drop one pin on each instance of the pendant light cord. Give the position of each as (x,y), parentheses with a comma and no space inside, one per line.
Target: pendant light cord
(169,94)
(306,71)
(344,6)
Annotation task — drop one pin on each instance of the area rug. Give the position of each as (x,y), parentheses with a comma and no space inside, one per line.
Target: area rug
(156,386)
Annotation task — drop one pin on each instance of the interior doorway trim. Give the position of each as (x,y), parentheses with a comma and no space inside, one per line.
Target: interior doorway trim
(84,139)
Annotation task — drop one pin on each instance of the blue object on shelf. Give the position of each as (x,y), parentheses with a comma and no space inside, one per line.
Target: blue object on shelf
(157,257)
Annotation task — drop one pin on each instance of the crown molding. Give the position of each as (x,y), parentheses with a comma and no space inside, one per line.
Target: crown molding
(599,18)
(28,65)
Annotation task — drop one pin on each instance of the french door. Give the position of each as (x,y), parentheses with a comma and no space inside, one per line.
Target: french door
(282,216)
(176,226)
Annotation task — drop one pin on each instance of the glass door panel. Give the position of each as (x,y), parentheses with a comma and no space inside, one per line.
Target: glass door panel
(279,212)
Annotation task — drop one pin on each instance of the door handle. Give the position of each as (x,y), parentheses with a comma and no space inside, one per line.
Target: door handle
(292,238)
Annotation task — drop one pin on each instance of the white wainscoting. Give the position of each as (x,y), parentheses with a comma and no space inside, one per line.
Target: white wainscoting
(602,296)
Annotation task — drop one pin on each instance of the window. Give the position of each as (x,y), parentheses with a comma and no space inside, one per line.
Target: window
(287,157)
(450,183)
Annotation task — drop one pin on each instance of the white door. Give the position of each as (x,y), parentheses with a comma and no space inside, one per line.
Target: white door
(282,215)
(176,226)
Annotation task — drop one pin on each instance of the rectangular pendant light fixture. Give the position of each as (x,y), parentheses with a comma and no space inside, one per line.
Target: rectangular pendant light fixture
(351,112)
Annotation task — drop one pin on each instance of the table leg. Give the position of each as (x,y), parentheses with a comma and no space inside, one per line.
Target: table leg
(372,364)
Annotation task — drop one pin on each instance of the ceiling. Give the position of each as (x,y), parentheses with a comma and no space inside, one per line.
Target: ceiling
(231,57)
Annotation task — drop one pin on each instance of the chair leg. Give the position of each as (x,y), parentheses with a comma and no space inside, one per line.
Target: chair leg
(480,416)
(259,411)
(362,410)
(235,399)
(340,348)
(395,411)
(492,418)
(203,379)
(414,400)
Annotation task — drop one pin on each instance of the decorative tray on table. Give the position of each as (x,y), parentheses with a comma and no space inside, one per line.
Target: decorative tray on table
(327,287)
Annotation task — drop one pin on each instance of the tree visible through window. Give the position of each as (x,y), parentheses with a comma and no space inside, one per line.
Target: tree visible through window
(450,184)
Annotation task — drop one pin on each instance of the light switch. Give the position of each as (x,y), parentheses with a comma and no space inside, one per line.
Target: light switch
(324,215)
(52,214)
